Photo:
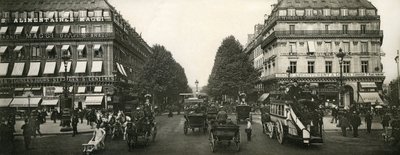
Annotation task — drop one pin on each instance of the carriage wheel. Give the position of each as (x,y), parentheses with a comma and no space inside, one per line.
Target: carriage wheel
(269,129)
(212,143)
(280,133)
(237,142)
(185,128)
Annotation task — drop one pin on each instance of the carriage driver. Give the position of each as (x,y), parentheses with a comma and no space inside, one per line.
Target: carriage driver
(222,115)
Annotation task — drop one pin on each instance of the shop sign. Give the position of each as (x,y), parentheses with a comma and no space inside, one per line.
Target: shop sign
(53,20)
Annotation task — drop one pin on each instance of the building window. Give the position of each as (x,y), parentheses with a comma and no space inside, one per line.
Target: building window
(346,66)
(361,12)
(82,52)
(364,66)
(83,13)
(328,66)
(98,51)
(345,29)
(326,28)
(311,66)
(327,12)
(328,46)
(364,47)
(293,67)
(106,13)
(292,47)
(97,29)
(98,13)
(309,12)
(36,51)
(51,52)
(90,13)
(291,29)
(108,28)
(345,12)
(291,12)
(363,28)
(83,29)
(346,47)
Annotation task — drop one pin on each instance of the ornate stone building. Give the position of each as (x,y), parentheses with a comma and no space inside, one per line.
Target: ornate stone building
(105,53)
(299,41)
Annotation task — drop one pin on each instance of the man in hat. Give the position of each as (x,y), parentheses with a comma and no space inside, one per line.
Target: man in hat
(355,121)
(294,90)
(248,129)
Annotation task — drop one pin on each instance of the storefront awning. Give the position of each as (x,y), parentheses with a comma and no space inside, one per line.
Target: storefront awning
(3,29)
(66,29)
(94,100)
(123,70)
(119,69)
(97,66)
(3,69)
(80,48)
(34,29)
(50,29)
(49,47)
(50,102)
(263,97)
(62,67)
(311,46)
(98,89)
(25,102)
(18,69)
(5,102)
(19,29)
(34,69)
(64,47)
(80,67)
(96,47)
(81,89)
(3,49)
(18,48)
(371,97)
(49,68)
(368,84)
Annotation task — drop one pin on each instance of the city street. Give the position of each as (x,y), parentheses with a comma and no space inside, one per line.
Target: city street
(171,140)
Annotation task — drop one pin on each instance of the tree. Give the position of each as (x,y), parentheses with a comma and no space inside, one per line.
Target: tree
(163,77)
(232,72)
(393,96)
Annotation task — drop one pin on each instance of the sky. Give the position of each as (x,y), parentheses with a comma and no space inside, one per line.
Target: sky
(194,29)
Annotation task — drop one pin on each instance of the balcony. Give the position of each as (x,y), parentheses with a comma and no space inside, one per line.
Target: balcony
(329,34)
(330,18)
(332,77)
(55,36)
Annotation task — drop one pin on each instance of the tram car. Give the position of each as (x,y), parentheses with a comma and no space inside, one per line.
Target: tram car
(294,119)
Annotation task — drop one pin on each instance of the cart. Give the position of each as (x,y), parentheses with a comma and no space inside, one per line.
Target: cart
(242,113)
(224,133)
(195,120)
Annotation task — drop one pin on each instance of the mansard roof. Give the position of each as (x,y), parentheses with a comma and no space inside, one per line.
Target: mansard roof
(350,4)
(52,5)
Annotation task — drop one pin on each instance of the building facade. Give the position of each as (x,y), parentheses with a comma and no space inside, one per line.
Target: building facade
(300,39)
(105,53)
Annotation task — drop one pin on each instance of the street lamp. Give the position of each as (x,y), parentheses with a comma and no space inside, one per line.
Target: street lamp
(398,75)
(29,105)
(197,87)
(66,121)
(340,55)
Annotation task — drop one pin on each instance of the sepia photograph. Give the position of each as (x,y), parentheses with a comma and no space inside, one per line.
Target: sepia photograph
(199,77)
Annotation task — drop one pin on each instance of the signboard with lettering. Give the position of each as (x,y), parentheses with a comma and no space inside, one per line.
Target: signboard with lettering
(55,36)
(55,20)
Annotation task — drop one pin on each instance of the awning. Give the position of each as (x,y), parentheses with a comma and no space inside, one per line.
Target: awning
(49,68)
(19,89)
(3,30)
(5,102)
(97,66)
(311,46)
(80,48)
(34,29)
(123,70)
(19,30)
(263,97)
(80,67)
(60,89)
(368,85)
(371,97)
(66,29)
(64,47)
(50,102)
(81,89)
(18,48)
(3,49)
(34,69)
(96,47)
(49,47)
(18,69)
(98,89)
(119,69)
(36,88)
(94,100)
(3,69)
(62,67)
(24,102)
(50,29)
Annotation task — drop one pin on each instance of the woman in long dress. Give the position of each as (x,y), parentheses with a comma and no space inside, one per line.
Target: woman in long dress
(98,138)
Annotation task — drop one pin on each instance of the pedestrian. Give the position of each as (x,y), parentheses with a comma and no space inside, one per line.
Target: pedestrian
(27,133)
(36,126)
(248,129)
(355,123)
(343,124)
(7,137)
(334,114)
(368,121)
(54,116)
(81,114)
(75,122)
(385,123)
(44,115)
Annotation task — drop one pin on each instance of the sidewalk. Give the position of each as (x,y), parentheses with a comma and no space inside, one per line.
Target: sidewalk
(51,128)
(328,126)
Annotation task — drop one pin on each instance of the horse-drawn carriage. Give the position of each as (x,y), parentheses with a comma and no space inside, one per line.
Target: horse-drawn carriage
(227,133)
(212,113)
(195,120)
(141,132)
(243,112)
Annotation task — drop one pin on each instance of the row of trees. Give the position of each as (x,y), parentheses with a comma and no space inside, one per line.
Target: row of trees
(163,77)
(232,72)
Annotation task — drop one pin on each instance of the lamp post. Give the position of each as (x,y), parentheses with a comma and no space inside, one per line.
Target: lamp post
(66,118)
(197,87)
(29,105)
(340,55)
(398,75)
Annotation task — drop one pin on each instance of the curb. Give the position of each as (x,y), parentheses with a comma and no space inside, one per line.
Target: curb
(58,133)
